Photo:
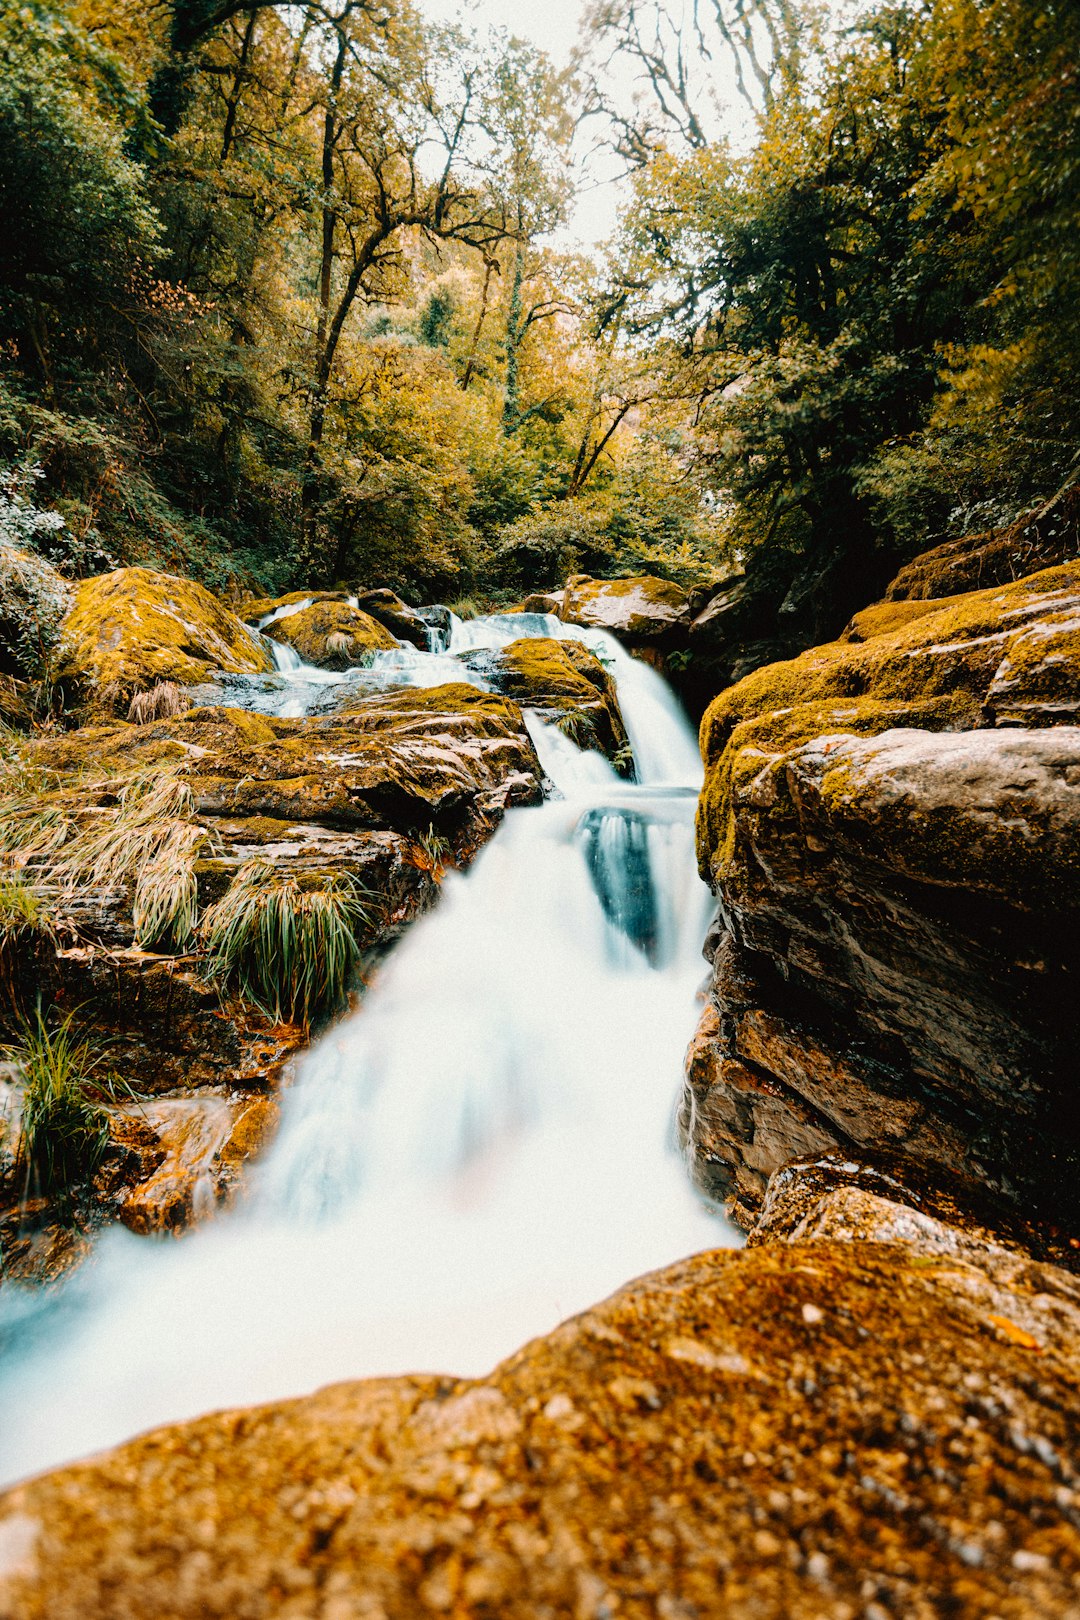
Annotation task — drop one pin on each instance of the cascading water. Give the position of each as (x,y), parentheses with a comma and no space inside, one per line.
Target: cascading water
(482,1149)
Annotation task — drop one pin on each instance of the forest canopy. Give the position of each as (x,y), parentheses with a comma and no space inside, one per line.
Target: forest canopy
(284,300)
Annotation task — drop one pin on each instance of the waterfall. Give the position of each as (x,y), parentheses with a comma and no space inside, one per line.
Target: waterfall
(483,1148)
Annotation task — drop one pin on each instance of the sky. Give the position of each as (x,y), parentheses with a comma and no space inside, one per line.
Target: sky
(553,25)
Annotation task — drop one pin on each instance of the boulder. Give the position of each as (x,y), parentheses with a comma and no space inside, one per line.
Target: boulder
(842,1426)
(129,629)
(332,635)
(642,612)
(559,680)
(891,826)
(254,610)
(396,616)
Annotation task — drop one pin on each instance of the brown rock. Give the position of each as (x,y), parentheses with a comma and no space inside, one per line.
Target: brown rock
(901,894)
(830,1429)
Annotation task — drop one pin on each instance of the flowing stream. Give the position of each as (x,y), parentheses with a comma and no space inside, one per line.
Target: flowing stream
(481,1149)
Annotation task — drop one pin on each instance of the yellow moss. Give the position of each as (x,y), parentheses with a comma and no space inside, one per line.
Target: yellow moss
(332,634)
(248,727)
(256,608)
(883,618)
(999,650)
(131,628)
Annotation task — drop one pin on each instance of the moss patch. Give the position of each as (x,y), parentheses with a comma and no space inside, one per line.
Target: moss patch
(332,635)
(131,628)
(1009,654)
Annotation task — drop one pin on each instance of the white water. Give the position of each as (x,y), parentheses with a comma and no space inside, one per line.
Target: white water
(481,1150)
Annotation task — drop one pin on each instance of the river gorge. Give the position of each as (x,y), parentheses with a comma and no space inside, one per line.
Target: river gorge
(833,1369)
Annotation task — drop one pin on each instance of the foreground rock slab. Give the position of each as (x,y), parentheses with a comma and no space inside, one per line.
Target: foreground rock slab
(830,1429)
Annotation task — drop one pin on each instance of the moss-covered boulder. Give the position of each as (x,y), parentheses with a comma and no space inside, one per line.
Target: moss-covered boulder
(132,628)
(892,826)
(332,635)
(559,680)
(254,609)
(642,611)
(387,608)
(823,1428)
(1039,539)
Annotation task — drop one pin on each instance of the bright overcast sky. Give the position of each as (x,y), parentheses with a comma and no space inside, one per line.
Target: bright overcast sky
(553,26)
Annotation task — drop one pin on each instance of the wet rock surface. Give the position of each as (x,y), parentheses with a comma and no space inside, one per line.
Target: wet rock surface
(891,825)
(821,1427)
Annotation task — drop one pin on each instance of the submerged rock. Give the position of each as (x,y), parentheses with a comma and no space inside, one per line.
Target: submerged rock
(822,1429)
(900,892)
(331,635)
(132,628)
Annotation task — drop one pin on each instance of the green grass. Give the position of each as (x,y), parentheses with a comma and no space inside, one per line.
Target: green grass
(289,947)
(23,922)
(64,1129)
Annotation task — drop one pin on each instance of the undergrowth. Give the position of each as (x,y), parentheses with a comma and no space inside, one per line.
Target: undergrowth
(64,1129)
(288,946)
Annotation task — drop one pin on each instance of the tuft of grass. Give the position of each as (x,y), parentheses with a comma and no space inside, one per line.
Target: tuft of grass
(161,702)
(166,906)
(437,850)
(23,921)
(286,945)
(64,1130)
(578,727)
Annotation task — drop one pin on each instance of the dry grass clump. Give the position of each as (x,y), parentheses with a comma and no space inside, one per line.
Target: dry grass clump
(85,837)
(161,702)
(287,946)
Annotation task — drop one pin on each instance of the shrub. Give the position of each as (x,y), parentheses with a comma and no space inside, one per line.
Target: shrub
(287,945)
(64,1130)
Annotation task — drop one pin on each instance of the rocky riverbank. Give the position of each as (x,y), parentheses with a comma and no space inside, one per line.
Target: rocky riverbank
(871,1410)
(177,786)
(872,1414)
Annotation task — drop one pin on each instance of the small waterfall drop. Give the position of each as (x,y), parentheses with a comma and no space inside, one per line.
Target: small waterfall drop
(480,1150)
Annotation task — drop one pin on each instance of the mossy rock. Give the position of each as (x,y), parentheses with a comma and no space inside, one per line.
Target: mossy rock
(641,611)
(129,629)
(558,678)
(255,609)
(387,608)
(1039,539)
(332,635)
(1009,655)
